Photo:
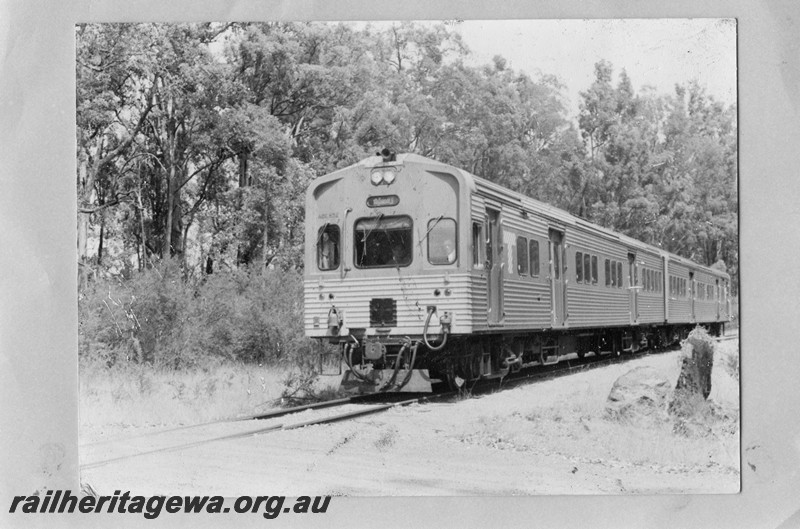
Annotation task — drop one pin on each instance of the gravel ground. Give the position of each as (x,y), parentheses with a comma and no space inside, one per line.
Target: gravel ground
(550,437)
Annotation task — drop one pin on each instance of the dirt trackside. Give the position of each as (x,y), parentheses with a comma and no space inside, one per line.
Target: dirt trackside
(547,438)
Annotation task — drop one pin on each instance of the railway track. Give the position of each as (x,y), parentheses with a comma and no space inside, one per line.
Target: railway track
(356,406)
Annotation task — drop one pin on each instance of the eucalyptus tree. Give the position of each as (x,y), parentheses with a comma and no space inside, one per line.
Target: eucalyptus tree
(115,95)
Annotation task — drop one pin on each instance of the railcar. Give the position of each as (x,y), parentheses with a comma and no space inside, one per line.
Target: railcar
(419,271)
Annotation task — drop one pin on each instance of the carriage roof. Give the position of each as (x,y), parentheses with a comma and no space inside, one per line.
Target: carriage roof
(485,187)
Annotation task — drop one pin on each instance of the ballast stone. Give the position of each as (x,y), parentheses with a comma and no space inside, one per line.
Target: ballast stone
(640,395)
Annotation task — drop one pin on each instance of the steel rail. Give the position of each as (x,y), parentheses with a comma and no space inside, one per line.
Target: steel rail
(278,427)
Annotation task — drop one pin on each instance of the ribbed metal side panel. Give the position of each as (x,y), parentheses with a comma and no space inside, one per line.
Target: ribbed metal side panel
(579,240)
(479,303)
(533,226)
(478,208)
(651,304)
(651,307)
(596,306)
(413,295)
(526,304)
(680,309)
(705,311)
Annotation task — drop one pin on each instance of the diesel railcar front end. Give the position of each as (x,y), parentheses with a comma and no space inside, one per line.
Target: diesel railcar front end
(385,266)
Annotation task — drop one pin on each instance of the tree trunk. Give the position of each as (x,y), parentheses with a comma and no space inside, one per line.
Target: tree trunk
(244,181)
(83,218)
(694,384)
(167,250)
(265,242)
(100,245)
(140,207)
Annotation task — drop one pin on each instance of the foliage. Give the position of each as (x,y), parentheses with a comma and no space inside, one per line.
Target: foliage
(661,169)
(158,317)
(196,143)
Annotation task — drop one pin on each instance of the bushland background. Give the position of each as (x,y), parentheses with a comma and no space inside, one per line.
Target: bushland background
(195,143)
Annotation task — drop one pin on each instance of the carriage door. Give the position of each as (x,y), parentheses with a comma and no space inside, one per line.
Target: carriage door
(494,266)
(557,291)
(633,280)
(692,292)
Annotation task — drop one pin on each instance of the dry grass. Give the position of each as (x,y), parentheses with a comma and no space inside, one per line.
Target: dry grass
(132,395)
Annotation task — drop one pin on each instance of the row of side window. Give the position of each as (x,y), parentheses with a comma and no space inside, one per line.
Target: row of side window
(677,286)
(613,269)
(585,268)
(527,257)
(706,291)
(652,280)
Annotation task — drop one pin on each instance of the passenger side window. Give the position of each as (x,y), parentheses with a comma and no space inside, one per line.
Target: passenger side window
(534,257)
(579,267)
(619,275)
(328,247)
(587,268)
(613,274)
(556,260)
(608,272)
(478,245)
(594,269)
(522,256)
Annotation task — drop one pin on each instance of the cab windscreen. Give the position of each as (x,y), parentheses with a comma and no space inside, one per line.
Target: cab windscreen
(383,242)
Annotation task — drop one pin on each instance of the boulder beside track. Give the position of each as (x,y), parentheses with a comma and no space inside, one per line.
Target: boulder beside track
(639,397)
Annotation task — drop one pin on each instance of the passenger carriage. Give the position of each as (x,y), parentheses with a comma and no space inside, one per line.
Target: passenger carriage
(419,270)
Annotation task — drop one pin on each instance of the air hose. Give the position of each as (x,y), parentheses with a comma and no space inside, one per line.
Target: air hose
(445,321)
(410,366)
(348,358)
(397,363)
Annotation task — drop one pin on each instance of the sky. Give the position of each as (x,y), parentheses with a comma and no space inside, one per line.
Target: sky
(654,52)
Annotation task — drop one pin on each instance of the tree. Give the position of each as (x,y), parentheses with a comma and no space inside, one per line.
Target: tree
(661,169)
(115,95)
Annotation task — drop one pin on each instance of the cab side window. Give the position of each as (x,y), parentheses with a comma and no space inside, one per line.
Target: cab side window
(328,240)
(442,241)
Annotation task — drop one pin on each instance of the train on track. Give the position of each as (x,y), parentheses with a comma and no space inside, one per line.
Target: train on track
(419,271)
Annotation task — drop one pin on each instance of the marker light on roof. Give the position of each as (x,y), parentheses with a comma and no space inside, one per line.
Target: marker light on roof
(383,176)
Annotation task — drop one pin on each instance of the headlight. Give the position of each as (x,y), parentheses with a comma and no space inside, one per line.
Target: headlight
(383,176)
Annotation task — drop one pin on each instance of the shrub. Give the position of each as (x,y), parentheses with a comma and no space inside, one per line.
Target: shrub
(158,317)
